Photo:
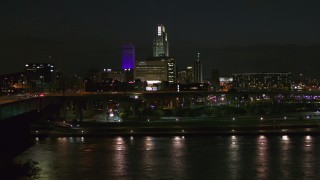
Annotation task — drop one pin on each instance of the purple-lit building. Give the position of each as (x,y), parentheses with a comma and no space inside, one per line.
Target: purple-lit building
(128,56)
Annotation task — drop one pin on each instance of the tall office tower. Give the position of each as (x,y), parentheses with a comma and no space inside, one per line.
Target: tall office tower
(197,70)
(128,56)
(190,76)
(160,43)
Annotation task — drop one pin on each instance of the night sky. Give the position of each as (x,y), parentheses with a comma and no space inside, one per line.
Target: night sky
(233,36)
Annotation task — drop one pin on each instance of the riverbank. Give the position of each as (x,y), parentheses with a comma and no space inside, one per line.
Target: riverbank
(181,128)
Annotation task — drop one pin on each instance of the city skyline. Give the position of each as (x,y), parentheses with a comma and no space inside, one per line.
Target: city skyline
(246,36)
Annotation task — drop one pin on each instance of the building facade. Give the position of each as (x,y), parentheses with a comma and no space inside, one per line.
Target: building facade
(128,56)
(160,43)
(215,81)
(152,71)
(262,81)
(189,73)
(40,72)
(197,70)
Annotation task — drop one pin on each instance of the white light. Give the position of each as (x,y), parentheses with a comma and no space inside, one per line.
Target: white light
(154,82)
(285,138)
(159,30)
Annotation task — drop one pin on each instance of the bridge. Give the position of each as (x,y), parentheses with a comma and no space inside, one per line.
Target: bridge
(16,115)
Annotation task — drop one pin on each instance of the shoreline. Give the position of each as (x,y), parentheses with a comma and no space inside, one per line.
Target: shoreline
(178,131)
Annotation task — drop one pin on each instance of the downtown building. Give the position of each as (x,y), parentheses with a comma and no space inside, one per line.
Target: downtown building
(160,43)
(128,56)
(197,70)
(160,67)
(185,76)
(262,81)
(40,72)
(43,77)
(13,83)
(128,61)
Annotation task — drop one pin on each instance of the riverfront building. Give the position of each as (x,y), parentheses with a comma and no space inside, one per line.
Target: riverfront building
(40,72)
(262,81)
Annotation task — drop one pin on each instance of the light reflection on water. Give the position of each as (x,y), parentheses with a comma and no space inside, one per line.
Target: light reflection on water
(262,161)
(177,157)
(234,157)
(307,160)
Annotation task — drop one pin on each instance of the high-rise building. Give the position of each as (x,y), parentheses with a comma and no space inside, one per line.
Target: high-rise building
(160,43)
(215,81)
(189,72)
(128,56)
(197,70)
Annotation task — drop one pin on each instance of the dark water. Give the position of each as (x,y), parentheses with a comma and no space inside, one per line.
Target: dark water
(178,157)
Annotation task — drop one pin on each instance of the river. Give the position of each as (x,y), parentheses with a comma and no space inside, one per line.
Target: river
(177,157)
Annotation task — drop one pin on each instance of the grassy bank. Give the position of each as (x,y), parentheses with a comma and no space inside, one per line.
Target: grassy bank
(175,125)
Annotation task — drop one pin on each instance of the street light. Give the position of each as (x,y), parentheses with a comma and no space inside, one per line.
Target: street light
(84,85)
(42,81)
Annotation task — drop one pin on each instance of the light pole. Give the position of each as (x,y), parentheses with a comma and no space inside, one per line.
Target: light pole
(42,82)
(84,85)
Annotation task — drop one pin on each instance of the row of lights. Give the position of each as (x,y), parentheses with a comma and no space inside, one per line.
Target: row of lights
(261,118)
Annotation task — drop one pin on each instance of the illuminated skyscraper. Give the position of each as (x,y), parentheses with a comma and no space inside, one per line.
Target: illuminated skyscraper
(128,56)
(160,43)
(197,70)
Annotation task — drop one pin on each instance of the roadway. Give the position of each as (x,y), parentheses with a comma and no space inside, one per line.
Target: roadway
(8,99)
(17,97)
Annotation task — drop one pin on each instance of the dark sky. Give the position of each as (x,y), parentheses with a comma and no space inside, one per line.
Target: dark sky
(232,35)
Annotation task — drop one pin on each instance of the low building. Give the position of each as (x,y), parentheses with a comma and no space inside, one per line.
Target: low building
(262,81)
(225,83)
(156,69)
